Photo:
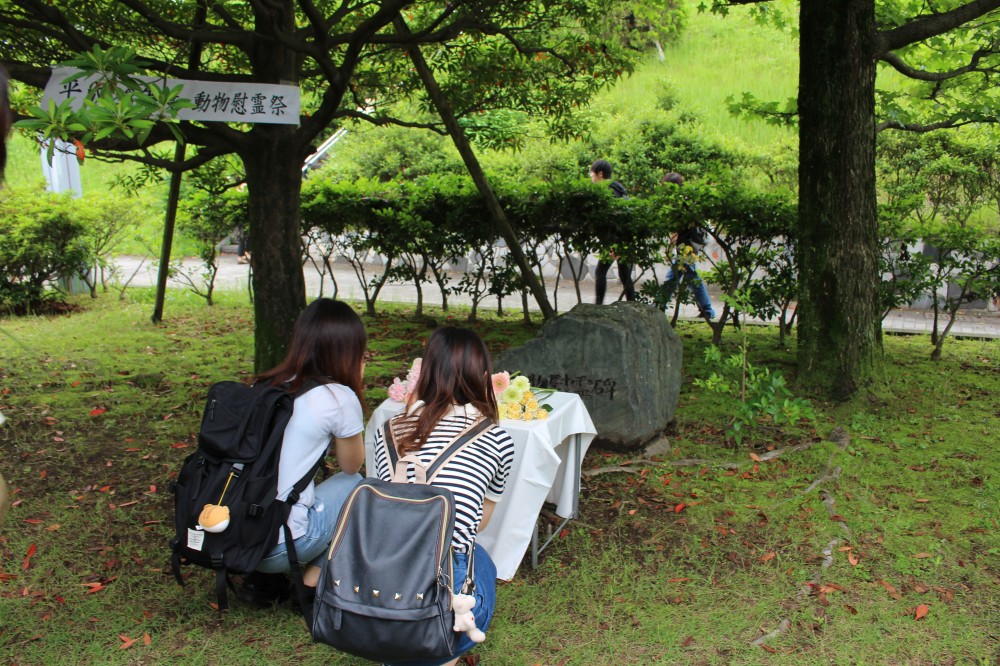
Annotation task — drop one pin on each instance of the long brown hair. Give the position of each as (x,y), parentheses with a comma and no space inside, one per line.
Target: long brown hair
(5,119)
(328,344)
(455,370)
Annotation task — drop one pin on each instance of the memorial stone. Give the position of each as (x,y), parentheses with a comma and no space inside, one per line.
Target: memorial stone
(623,360)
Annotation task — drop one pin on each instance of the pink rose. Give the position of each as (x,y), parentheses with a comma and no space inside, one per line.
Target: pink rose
(398,390)
(414,374)
(501,380)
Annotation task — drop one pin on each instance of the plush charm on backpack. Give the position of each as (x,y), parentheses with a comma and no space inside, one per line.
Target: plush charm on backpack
(213,518)
(465,621)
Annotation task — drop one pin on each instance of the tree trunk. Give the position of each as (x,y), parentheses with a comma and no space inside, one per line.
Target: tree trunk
(274,179)
(503,225)
(840,335)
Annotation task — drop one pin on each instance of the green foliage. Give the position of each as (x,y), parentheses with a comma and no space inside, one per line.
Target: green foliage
(388,153)
(966,268)
(107,222)
(213,210)
(41,240)
(122,105)
(752,394)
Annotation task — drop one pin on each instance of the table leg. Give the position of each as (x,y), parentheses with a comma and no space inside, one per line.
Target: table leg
(578,469)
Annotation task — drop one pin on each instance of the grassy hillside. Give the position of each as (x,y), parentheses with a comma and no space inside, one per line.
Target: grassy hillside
(717,58)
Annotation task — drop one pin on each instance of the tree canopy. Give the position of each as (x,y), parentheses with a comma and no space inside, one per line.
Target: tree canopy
(538,60)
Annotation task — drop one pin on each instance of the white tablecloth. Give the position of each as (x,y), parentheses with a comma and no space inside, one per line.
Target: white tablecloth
(543,470)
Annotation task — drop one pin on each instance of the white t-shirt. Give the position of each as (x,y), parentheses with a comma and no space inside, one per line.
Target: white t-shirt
(320,415)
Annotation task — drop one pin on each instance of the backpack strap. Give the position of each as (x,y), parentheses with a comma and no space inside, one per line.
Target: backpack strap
(468,436)
(286,510)
(425,473)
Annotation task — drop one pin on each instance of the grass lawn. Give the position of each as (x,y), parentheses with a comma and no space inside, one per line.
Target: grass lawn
(836,546)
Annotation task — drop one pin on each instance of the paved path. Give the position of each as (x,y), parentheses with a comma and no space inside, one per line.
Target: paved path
(982,324)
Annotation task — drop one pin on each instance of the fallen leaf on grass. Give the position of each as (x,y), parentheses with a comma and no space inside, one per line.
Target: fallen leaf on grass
(921,611)
(754,457)
(852,559)
(94,587)
(767,556)
(687,641)
(892,591)
(922,501)
(27,558)
(922,556)
(147,639)
(678,580)
(52,528)
(126,642)
(34,521)
(97,411)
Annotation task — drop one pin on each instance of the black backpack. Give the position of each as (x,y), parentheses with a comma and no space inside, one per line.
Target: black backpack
(385,590)
(236,466)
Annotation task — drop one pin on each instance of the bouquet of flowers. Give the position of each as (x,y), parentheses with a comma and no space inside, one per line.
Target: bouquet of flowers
(516,398)
(400,390)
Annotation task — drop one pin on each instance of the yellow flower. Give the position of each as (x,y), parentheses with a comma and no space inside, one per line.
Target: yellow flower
(528,416)
(542,414)
(531,406)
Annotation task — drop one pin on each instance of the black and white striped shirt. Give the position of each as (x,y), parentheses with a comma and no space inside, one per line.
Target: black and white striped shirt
(478,473)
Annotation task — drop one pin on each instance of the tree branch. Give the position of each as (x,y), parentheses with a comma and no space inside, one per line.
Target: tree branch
(900,66)
(182,32)
(929,127)
(389,120)
(924,27)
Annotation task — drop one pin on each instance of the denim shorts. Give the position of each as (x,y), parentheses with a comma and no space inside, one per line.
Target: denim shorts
(311,546)
(485,577)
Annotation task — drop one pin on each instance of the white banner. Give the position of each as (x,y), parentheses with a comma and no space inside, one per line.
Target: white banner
(214,101)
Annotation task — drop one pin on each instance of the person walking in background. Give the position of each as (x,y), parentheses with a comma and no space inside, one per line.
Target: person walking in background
(453,393)
(693,237)
(600,172)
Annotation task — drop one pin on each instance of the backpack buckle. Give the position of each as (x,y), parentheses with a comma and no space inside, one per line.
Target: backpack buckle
(255,510)
(237,470)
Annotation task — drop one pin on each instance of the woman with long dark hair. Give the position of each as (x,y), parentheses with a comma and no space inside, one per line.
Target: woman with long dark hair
(324,369)
(454,391)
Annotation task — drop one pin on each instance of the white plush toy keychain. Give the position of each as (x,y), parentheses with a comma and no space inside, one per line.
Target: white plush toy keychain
(465,621)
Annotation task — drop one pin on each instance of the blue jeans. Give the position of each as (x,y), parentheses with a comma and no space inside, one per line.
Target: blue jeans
(693,282)
(485,577)
(311,546)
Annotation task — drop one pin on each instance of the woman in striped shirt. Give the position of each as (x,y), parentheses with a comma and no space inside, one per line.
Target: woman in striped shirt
(454,391)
